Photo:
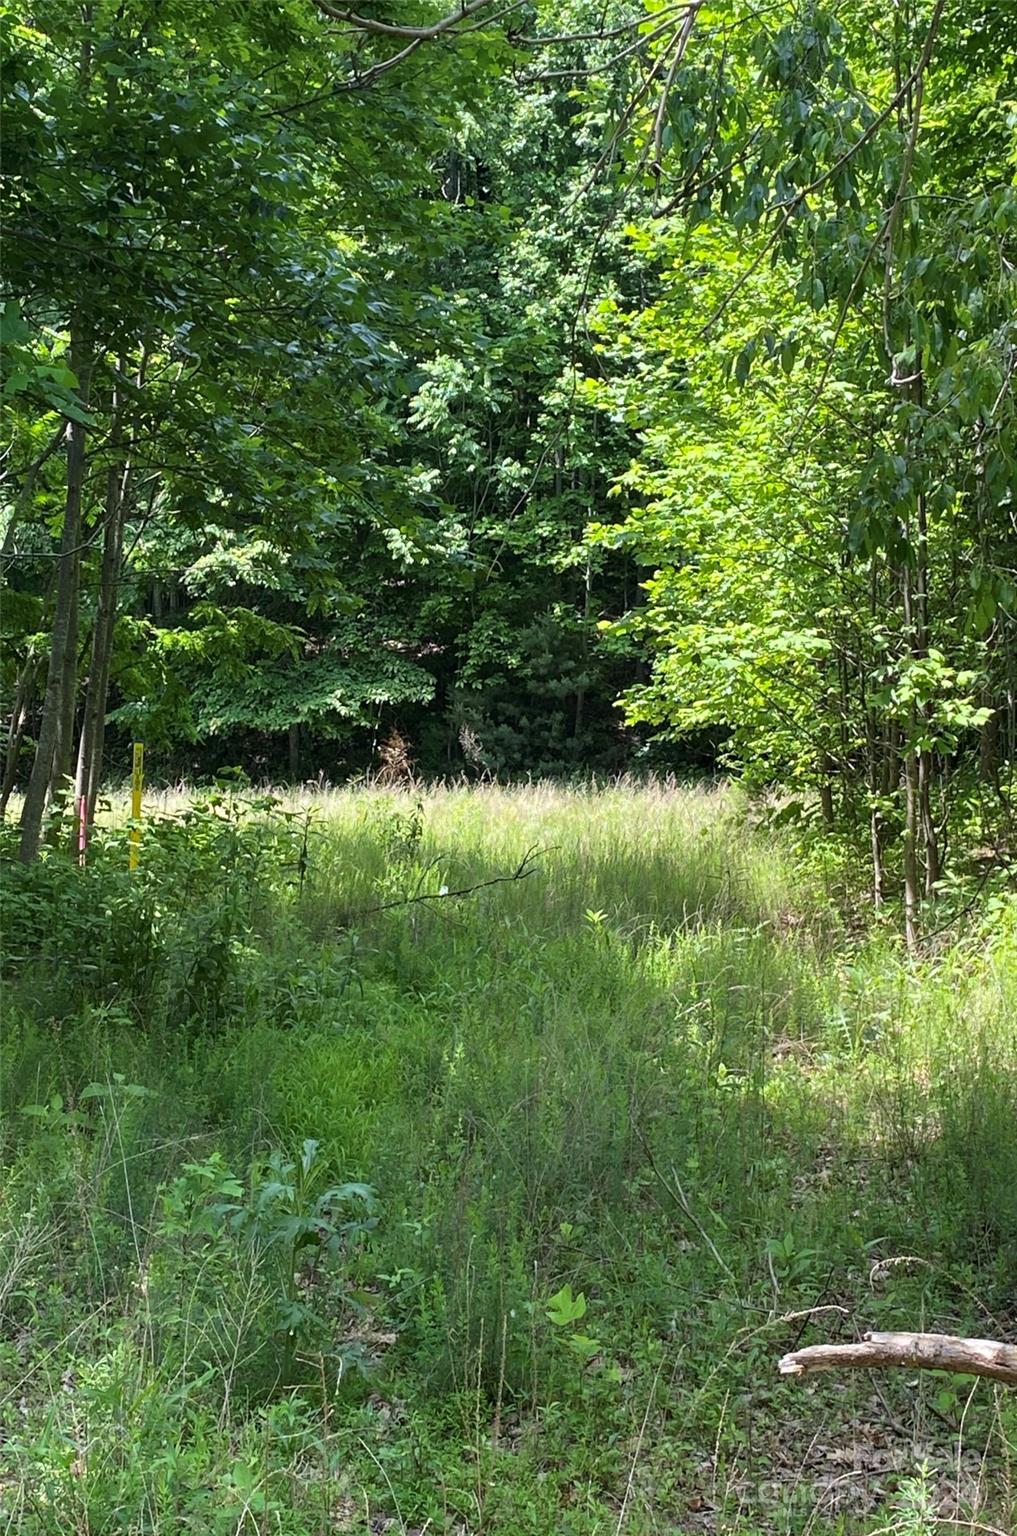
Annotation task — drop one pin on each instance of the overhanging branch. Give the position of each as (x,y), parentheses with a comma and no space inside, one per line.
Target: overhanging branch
(360,23)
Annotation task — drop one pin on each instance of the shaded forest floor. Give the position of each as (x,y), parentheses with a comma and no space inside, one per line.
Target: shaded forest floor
(634,1123)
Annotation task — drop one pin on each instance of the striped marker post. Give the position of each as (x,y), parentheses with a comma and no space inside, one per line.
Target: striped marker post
(137,781)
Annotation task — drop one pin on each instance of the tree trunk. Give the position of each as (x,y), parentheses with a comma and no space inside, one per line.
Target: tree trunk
(930,837)
(93,719)
(64,641)
(889,781)
(293,746)
(911,817)
(912,772)
(988,742)
(826,805)
(16,732)
(926,761)
(61,766)
(875,739)
(873,769)
(577,723)
(876,849)
(93,723)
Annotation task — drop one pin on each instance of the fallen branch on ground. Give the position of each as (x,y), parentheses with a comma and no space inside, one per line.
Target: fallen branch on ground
(911,1351)
(526,868)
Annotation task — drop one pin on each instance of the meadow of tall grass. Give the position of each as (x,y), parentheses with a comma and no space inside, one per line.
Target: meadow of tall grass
(334,1201)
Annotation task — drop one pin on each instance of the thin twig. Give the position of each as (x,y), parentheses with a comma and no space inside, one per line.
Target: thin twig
(358,23)
(792,204)
(526,868)
(680,1199)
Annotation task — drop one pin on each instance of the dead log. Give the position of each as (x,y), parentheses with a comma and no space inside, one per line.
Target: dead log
(910,1351)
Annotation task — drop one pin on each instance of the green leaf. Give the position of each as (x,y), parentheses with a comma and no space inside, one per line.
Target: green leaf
(564,1308)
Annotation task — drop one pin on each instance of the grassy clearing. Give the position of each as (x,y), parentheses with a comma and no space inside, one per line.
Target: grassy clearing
(624,1117)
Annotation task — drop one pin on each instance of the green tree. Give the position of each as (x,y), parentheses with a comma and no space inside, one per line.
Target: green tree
(203,217)
(825,485)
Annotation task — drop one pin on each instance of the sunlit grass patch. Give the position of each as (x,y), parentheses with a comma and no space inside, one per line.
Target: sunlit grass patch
(655,1072)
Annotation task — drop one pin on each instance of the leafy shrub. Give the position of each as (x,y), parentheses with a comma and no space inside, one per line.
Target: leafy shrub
(175,942)
(255,1268)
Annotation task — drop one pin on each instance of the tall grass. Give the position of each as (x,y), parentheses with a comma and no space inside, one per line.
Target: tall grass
(656,1071)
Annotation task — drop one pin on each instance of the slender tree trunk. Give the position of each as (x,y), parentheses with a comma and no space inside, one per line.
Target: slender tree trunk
(873,784)
(843,765)
(16,732)
(930,837)
(926,760)
(889,777)
(874,739)
(577,723)
(293,746)
(918,823)
(826,805)
(93,719)
(60,769)
(93,724)
(873,775)
(912,788)
(989,737)
(876,848)
(911,819)
(64,641)
(916,788)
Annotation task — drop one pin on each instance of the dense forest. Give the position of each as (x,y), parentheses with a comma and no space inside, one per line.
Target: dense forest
(468,378)
(540,481)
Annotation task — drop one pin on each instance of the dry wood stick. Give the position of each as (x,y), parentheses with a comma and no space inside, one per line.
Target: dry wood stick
(911,1351)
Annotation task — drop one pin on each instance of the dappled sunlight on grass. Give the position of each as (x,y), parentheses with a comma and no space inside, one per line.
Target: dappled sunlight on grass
(655,1072)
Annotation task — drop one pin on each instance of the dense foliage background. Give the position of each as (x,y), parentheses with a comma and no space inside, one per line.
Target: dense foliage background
(498,409)
(440,381)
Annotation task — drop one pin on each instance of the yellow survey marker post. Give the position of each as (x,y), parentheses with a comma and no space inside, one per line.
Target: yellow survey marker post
(137,780)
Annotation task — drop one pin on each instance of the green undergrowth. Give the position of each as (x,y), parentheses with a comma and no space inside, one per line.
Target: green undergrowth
(335,1203)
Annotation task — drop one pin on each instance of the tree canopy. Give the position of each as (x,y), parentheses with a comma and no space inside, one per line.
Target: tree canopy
(566,388)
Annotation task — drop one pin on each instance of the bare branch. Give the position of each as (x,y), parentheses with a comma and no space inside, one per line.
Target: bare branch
(390,29)
(526,867)
(910,1351)
(658,124)
(643,19)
